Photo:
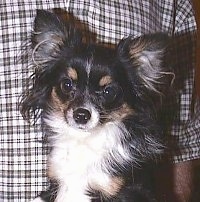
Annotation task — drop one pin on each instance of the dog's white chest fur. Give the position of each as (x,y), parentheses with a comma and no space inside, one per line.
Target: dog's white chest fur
(77,161)
(75,165)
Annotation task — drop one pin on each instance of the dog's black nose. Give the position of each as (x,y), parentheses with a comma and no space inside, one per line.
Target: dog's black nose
(81,115)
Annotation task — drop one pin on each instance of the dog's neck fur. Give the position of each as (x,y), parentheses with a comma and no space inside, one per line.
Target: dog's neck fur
(79,160)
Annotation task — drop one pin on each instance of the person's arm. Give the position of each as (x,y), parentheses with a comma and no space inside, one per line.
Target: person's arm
(177,179)
(183,172)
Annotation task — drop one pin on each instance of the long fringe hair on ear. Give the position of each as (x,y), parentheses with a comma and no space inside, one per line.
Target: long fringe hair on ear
(145,60)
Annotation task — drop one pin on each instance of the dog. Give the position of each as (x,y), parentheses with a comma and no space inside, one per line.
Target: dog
(100,107)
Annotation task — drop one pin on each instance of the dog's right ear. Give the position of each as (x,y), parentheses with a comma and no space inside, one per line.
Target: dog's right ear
(144,59)
(50,34)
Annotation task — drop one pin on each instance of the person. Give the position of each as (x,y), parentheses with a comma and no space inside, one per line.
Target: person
(22,151)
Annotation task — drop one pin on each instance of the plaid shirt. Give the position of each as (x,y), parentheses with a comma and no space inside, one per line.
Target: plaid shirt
(22,153)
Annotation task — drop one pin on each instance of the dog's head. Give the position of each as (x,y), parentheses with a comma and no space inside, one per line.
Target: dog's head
(87,85)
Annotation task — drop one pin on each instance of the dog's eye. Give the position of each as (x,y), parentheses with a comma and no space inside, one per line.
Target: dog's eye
(66,85)
(110,93)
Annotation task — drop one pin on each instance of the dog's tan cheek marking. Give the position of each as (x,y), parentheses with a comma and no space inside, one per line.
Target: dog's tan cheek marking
(105,80)
(55,99)
(72,73)
(121,113)
(56,102)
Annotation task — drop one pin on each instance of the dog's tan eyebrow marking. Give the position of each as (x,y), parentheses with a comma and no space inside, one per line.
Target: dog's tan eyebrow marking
(72,73)
(105,80)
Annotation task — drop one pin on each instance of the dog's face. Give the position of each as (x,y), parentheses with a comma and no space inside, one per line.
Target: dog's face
(86,88)
(88,84)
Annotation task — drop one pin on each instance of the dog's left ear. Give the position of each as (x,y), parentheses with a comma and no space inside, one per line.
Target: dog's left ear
(144,61)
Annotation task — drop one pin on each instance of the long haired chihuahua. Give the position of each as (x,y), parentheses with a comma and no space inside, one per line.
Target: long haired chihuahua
(99,108)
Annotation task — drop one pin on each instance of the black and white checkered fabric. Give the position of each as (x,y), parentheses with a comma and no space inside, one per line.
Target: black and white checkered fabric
(22,153)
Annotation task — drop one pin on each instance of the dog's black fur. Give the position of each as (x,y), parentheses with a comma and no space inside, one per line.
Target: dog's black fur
(99,104)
